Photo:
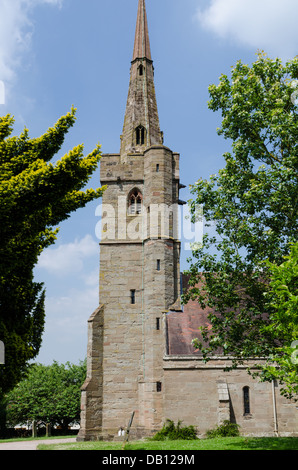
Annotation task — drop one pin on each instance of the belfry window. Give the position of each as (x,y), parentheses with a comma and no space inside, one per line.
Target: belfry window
(140,135)
(135,201)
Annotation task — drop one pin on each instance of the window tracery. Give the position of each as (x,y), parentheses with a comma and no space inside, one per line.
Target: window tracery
(140,135)
(135,201)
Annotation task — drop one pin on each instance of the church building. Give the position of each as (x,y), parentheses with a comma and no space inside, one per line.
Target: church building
(140,358)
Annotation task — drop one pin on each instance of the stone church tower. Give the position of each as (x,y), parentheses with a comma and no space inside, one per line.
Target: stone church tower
(140,357)
(139,265)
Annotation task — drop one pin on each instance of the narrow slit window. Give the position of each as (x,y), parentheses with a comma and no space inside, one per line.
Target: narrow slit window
(158,386)
(141,70)
(246,401)
(157,168)
(158,265)
(133,296)
(157,324)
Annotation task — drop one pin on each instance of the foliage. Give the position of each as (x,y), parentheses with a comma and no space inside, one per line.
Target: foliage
(50,394)
(226,429)
(35,196)
(283,299)
(250,209)
(173,432)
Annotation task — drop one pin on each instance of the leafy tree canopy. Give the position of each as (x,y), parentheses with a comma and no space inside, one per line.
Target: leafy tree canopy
(250,208)
(282,298)
(35,196)
(50,394)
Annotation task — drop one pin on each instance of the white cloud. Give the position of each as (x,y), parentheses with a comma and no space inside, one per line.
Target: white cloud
(16,29)
(69,258)
(91,278)
(65,335)
(270,25)
(74,304)
(72,294)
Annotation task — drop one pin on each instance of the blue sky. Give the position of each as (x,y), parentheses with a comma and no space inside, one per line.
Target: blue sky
(59,53)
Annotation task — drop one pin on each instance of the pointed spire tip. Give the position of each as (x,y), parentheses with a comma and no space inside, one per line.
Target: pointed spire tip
(142,43)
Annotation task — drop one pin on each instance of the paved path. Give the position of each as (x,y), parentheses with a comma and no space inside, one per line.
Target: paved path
(32,445)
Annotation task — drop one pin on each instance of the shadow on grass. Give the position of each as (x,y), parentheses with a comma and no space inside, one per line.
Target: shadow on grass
(267,443)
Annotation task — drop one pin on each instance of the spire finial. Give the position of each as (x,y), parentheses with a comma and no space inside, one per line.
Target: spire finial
(142,43)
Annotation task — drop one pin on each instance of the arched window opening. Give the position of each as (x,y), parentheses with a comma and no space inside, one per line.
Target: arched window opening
(135,201)
(141,70)
(140,135)
(246,401)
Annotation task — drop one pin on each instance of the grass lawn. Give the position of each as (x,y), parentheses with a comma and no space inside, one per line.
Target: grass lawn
(227,443)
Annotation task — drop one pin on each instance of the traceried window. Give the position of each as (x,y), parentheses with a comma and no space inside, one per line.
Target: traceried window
(140,135)
(135,201)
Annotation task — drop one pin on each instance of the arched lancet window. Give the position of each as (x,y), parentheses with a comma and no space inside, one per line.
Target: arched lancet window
(140,135)
(246,401)
(141,70)
(135,201)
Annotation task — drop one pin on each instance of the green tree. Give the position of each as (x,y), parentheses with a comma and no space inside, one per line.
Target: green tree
(35,196)
(283,301)
(250,208)
(50,394)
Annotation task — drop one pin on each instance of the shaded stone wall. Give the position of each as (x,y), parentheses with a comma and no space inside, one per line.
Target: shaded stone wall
(91,398)
(204,395)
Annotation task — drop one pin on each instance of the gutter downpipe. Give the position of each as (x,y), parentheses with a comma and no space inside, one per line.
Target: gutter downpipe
(274,408)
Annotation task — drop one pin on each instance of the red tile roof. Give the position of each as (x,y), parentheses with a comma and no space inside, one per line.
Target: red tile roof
(183,327)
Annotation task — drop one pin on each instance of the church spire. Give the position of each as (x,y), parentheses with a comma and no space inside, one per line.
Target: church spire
(142,43)
(141,123)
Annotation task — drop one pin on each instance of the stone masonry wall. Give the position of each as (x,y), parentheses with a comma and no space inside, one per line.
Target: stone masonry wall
(194,394)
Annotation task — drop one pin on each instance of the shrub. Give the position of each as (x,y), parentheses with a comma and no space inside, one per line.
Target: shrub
(173,432)
(226,429)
